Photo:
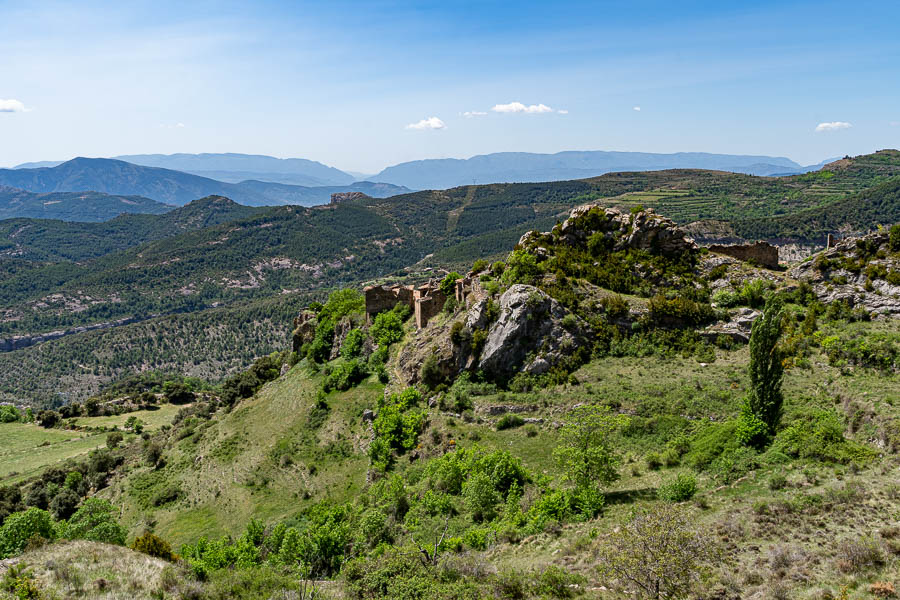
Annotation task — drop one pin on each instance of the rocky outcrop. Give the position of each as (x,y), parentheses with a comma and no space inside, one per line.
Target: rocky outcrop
(737,328)
(534,333)
(304,329)
(860,271)
(18,342)
(644,230)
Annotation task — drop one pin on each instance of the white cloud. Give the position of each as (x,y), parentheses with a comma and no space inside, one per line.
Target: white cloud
(636,108)
(895,123)
(429,123)
(563,112)
(518,107)
(833,126)
(11,106)
(473,113)
(178,125)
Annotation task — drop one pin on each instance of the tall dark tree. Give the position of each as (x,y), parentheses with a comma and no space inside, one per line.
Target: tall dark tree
(765,400)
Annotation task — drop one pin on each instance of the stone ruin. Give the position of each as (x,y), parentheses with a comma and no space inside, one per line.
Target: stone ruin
(425,300)
(762,253)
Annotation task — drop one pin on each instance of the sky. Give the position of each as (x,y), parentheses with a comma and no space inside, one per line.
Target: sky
(363,85)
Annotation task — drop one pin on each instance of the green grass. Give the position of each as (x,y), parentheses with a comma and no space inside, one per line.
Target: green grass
(152,419)
(27,449)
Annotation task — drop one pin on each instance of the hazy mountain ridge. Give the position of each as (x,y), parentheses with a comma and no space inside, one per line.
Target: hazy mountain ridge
(166,185)
(523,166)
(74,206)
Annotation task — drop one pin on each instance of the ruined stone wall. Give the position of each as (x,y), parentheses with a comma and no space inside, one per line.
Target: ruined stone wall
(380,298)
(762,253)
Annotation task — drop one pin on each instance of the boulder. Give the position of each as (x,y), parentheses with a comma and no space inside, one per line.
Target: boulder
(737,328)
(530,327)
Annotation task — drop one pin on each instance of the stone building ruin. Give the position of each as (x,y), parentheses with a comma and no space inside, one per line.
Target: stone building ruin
(425,300)
(762,253)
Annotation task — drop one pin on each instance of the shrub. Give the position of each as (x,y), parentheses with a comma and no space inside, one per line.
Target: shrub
(854,556)
(113,439)
(95,521)
(510,421)
(753,293)
(726,299)
(448,284)
(353,343)
(20,527)
(10,414)
(894,240)
(387,327)
(585,451)
(679,311)
(657,554)
(20,582)
(153,545)
(653,460)
(682,488)
(345,376)
(480,265)
(430,372)
(521,267)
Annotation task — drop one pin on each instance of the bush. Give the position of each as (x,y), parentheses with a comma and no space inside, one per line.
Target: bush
(353,343)
(153,545)
(894,240)
(510,421)
(95,521)
(345,376)
(387,328)
(448,284)
(20,527)
(658,554)
(858,555)
(113,439)
(10,414)
(682,488)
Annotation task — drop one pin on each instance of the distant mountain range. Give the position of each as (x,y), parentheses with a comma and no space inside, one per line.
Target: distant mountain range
(86,207)
(511,167)
(170,186)
(234,168)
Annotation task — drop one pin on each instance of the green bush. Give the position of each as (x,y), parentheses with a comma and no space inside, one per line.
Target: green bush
(20,527)
(95,521)
(153,545)
(448,284)
(345,376)
(353,343)
(10,414)
(682,488)
(894,239)
(510,421)
(819,434)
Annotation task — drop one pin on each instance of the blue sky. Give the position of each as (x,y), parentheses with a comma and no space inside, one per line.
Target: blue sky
(342,82)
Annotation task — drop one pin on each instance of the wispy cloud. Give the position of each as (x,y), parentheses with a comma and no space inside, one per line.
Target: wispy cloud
(429,123)
(518,107)
(12,106)
(474,113)
(636,108)
(895,123)
(175,126)
(563,111)
(833,126)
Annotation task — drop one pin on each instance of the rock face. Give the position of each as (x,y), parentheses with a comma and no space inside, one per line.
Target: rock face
(644,230)
(738,328)
(860,271)
(304,329)
(530,327)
